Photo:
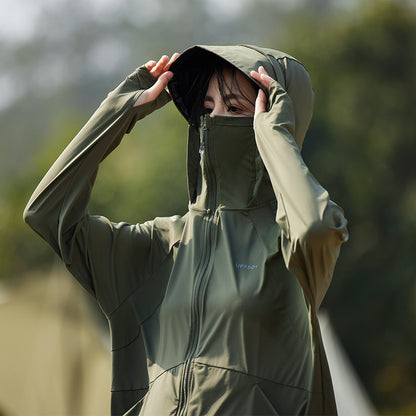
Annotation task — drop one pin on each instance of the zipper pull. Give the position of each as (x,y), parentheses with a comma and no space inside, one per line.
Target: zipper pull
(203,129)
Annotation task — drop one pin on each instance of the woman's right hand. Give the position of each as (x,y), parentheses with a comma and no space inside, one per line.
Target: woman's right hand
(159,70)
(264,79)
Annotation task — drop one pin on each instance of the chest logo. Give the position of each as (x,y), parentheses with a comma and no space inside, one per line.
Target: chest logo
(246,266)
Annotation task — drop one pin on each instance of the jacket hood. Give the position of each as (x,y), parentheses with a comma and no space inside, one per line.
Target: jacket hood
(288,71)
(192,72)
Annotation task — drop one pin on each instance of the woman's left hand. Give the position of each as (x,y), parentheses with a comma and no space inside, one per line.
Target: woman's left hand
(264,79)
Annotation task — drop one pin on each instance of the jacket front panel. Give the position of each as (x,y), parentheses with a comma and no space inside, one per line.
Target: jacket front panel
(230,298)
(226,304)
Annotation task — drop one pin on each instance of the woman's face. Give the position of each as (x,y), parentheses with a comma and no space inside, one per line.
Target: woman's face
(238,98)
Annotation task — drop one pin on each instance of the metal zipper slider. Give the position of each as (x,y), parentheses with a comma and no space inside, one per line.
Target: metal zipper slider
(202,135)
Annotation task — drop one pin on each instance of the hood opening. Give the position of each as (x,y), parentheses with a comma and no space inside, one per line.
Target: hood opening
(192,73)
(195,66)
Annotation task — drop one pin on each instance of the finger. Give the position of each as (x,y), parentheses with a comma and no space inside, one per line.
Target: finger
(159,85)
(265,78)
(165,78)
(260,104)
(262,77)
(262,70)
(153,92)
(255,75)
(158,68)
(149,65)
(171,61)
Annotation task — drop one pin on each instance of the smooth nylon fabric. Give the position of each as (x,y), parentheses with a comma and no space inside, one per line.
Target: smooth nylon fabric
(213,312)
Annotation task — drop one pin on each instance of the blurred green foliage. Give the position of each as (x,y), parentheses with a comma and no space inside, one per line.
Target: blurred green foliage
(146,176)
(360,146)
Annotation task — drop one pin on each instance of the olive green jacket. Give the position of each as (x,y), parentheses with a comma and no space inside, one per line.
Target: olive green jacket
(213,312)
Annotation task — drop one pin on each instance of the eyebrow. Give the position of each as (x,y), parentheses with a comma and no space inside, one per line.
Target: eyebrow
(228,97)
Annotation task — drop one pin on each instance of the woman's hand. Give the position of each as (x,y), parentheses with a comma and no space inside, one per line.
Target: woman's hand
(264,79)
(159,70)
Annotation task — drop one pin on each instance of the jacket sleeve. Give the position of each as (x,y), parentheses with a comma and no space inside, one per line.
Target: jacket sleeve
(97,252)
(312,226)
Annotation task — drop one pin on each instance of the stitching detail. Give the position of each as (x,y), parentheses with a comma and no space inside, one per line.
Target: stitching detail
(252,375)
(129,343)
(124,390)
(140,330)
(288,57)
(132,293)
(164,372)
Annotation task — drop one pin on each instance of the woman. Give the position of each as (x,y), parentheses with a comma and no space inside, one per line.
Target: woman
(213,312)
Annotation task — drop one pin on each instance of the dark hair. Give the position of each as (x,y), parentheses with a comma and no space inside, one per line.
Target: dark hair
(191,80)
(226,89)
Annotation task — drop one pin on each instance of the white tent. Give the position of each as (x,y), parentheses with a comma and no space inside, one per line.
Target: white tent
(53,361)
(350,394)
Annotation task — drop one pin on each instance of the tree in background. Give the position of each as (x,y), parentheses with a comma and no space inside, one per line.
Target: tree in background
(362,145)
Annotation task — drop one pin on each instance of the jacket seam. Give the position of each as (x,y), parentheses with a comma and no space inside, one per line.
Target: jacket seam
(123,390)
(267,56)
(129,343)
(241,209)
(138,287)
(262,205)
(164,372)
(140,330)
(253,375)
(151,381)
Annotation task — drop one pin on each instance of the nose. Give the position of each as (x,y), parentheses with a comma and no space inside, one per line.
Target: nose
(218,110)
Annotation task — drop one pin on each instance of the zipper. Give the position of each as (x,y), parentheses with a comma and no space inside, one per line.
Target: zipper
(202,136)
(201,279)
(206,155)
(199,290)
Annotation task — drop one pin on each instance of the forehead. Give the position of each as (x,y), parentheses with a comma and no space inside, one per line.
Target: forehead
(235,83)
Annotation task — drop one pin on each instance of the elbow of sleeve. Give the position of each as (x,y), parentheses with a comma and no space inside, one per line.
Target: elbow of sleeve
(37,222)
(336,222)
(315,251)
(30,217)
(332,228)
(35,218)
(26,216)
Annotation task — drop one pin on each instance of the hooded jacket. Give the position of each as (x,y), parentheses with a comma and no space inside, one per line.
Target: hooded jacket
(215,311)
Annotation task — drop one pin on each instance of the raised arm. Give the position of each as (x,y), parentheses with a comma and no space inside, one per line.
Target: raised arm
(92,247)
(313,227)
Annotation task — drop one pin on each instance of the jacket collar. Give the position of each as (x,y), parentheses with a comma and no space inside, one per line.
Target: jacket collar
(226,170)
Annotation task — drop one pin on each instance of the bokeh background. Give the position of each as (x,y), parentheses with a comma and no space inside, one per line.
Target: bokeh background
(59,59)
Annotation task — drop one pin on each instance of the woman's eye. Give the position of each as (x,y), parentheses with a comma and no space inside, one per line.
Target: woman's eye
(233,109)
(207,110)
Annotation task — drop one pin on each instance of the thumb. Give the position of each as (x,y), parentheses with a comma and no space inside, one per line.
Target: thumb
(154,91)
(260,104)
(159,85)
